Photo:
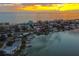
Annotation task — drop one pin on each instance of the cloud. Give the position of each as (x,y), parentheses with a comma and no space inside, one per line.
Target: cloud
(57,7)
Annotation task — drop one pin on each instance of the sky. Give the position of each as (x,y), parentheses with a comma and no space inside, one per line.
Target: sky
(49,7)
(40,7)
(12,12)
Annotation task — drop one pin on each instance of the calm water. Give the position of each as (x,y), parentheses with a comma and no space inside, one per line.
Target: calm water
(15,17)
(60,43)
(7,17)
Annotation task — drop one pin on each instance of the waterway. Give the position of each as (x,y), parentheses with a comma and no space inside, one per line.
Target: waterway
(55,44)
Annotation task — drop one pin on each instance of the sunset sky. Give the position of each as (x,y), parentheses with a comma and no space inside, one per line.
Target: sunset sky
(48,11)
(49,7)
(40,7)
